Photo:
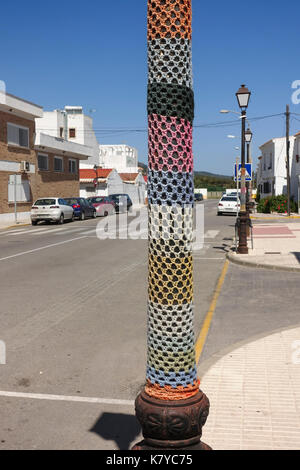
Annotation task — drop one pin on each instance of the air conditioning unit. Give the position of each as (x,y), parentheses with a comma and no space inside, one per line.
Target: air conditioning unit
(25,166)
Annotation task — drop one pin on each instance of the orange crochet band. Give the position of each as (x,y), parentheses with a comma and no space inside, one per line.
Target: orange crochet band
(169,19)
(169,393)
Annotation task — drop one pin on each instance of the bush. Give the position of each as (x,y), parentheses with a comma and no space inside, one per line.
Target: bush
(277,204)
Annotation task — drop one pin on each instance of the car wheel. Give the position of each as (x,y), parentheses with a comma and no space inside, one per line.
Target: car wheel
(73,217)
(219,213)
(61,219)
(82,216)
(105,214)
(33,222)
(94,214)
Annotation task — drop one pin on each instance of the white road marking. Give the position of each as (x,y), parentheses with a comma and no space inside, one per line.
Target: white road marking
(41,248)
(211,233)
(78,399)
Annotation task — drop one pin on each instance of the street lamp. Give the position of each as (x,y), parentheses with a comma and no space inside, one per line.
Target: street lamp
(243,97)
(248,139)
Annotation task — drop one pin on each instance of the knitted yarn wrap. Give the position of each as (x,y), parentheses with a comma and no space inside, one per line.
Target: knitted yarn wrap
(171,366)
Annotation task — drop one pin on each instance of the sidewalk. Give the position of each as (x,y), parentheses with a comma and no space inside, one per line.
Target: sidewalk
(254,395)
(275,246)
(21,221)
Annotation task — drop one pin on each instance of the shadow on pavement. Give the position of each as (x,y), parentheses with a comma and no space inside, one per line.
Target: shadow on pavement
(297,255)
(118,427)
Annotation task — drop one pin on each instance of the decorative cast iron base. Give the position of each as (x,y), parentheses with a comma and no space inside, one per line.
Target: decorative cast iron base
(172,425)
(242,225)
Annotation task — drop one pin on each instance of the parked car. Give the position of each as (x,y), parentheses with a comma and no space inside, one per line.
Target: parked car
(82,208)
(198,197)
(103,205)
(228,205)
(122,202)
(51,209)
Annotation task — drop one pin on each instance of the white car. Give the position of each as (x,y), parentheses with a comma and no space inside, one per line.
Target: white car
(228,205)
(51,209)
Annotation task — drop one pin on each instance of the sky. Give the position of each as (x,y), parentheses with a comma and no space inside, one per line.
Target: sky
(94,54)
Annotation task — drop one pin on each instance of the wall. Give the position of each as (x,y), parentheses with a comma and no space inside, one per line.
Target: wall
(11,157)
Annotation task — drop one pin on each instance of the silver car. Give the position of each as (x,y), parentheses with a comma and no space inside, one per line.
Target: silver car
(51,209)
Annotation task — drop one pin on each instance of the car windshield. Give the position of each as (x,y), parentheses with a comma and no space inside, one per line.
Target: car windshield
(45,202)
(231,199)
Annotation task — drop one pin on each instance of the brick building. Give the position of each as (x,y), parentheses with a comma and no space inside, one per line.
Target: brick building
(45,165)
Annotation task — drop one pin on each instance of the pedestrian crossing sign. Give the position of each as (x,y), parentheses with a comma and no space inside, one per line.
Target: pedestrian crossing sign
(248,174)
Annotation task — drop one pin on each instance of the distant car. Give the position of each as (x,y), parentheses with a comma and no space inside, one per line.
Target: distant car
(103,205)
(228,205)
(51,209)
(122,202)
(198,197)
(82,208)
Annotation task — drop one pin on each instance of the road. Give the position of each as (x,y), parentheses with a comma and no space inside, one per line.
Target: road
(73,318)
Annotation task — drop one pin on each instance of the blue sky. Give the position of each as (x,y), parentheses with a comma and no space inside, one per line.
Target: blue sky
(93,53)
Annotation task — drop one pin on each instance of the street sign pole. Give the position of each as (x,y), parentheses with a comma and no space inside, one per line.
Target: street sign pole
(15,197)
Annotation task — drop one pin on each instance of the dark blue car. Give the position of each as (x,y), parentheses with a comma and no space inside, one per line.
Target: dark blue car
(82,208)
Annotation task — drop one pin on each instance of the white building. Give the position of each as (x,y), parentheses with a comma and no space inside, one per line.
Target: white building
(73,125)
(100,182)
(121,157)
(271,170)
(295,170)
(134,184)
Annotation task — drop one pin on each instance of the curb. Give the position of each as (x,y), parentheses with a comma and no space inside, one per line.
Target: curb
(273,267)
(14,226)
(275,218)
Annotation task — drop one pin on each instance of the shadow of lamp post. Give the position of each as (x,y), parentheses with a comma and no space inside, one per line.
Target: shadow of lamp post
(171,409)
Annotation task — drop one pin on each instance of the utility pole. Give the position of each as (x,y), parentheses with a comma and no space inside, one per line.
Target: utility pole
(288,179)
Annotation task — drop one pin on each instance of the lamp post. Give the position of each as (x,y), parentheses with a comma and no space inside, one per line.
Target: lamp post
(248,139)
(171,409)
(243,97)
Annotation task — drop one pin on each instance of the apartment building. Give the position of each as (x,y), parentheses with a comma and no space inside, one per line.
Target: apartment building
(45,165)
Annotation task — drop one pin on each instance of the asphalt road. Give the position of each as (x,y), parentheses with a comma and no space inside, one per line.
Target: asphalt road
(73,317)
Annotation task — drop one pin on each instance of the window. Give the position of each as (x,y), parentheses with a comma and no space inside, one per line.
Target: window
(72,166)
(58,164)
(72,133)
(270,162)
(61,132)
(43,162)
(17,135)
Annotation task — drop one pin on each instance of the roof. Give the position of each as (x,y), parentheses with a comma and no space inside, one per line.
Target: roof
(89,174)
(129,177)
(18,106)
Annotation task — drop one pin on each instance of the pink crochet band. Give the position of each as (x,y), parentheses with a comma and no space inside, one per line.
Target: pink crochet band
(170,144)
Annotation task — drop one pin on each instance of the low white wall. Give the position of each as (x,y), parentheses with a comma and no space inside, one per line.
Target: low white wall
(203,191)
(10,218)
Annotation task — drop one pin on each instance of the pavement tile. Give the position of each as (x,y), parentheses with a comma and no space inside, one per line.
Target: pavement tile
(260,405)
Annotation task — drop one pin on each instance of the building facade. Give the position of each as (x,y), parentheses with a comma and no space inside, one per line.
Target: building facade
(17,135)
(33,164)
(73,125)
(271,170)
(121,157)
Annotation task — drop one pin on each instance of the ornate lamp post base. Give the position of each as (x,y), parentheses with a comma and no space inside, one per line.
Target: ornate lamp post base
(243,227)
(172,425)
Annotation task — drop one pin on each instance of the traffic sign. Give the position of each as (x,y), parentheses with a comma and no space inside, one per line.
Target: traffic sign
(248,172)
